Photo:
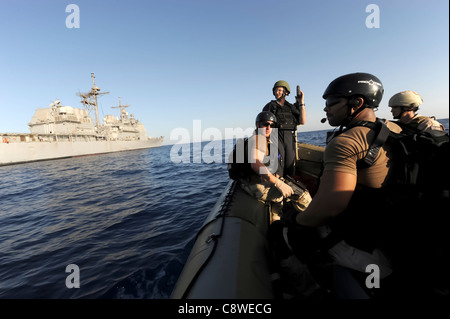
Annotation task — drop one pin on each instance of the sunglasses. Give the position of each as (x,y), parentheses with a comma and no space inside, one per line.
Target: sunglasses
(332,102)
(267,124)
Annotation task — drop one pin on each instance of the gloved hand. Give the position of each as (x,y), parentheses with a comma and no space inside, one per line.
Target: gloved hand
(284,188)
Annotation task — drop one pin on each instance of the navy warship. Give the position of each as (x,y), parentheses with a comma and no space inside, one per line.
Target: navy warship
(60,131)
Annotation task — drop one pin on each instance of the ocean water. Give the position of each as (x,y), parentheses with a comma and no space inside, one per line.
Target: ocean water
(126,220)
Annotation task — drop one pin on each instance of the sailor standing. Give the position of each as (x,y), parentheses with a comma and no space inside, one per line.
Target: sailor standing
(289,117)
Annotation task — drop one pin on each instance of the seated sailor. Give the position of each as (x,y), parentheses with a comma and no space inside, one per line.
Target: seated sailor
(404,107)
(262,169)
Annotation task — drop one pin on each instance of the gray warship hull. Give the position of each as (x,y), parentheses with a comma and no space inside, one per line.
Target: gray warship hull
(22,152)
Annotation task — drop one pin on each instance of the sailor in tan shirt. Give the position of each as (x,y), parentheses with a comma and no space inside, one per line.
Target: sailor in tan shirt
(344,151)
(404,107)
(349,99)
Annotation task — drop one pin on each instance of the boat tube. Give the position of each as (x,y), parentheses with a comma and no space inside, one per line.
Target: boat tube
(231,255)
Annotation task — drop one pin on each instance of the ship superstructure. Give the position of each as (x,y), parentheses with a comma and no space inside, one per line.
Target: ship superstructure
(63,131)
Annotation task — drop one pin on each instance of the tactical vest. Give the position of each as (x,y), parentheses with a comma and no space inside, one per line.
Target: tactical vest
(237,170)
(285,118)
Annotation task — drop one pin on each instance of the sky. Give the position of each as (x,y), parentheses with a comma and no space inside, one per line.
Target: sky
(185,63)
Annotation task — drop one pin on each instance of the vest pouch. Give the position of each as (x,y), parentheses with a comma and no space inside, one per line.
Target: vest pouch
(286,120)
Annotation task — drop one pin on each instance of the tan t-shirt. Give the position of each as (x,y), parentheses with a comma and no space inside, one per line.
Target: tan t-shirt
(343,152)
(425,123)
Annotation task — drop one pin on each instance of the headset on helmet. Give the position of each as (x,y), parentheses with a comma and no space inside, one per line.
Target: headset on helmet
(365,85)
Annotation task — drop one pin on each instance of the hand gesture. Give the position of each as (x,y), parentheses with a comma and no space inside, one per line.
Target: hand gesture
(299,97)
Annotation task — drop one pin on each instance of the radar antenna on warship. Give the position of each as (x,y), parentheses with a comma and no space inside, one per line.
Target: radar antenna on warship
(123,113)
(89,100)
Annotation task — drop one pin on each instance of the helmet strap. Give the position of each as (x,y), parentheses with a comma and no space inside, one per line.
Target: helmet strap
(351,116)
(399,116)
(284,93)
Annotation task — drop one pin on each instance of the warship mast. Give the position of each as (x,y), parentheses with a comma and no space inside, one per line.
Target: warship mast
(90,100)
(122,109)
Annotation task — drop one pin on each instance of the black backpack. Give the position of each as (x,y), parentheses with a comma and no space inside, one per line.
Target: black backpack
(421,160)
(412,210)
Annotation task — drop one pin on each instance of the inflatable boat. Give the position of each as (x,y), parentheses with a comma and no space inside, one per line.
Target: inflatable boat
(231,254)
(232,257)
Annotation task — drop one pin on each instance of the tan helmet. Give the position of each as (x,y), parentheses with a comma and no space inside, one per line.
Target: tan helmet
(406,98)
(282,84)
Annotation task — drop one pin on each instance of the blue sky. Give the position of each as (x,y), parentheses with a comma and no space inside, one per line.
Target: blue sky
(178,61)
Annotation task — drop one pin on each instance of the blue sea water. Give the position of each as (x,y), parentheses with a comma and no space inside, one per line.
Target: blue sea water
(127,220)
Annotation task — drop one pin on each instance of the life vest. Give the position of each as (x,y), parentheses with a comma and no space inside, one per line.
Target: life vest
(286,119)
(239,166)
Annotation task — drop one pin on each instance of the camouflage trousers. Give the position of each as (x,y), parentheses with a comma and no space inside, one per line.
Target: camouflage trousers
(267,193)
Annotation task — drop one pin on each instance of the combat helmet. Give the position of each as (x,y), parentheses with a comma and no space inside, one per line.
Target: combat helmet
(364,85)
(406,99)
(266,116)
(282,84)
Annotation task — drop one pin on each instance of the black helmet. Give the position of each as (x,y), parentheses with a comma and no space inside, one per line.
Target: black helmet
(365,85)
(266,116)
